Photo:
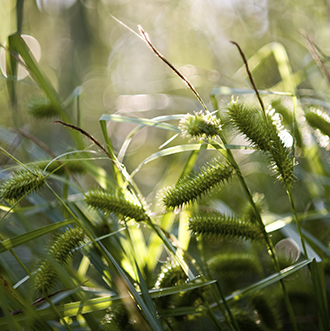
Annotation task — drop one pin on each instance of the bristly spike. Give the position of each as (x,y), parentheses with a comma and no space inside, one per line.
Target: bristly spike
(318,119)
(21,183)
(214,225)
(59,254)
(41,107)
(65,244)
(190,188)
(231,265)
(200,125)
(110,202)
(264,133)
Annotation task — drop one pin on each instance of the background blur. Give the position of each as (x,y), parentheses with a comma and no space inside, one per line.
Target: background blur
(83,49)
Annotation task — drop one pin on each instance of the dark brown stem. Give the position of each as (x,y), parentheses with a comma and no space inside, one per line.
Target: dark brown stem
(250,76)
(74,127)
(147,40)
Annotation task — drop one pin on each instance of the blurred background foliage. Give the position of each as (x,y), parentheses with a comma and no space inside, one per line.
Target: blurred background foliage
(85,52)
(104,68)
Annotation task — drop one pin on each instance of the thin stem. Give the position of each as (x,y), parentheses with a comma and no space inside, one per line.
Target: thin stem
(250,76)
(294,210)
(269,243)
(231,320)
(58,313)
(147,40)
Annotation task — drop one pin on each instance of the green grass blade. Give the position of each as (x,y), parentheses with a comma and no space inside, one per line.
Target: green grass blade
(146,296)
(224,90)
(22,239)
(96,304)
(140,121)
(18,45)
(320,295)
(239,294)
(291,231)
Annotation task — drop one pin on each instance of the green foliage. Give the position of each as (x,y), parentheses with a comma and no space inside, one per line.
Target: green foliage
(192,187)
(221,280)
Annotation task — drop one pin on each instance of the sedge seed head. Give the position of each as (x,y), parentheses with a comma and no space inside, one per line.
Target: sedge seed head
(199,125)
(41,107)
(111,202)
(65,244)
(21,183)
(191,188)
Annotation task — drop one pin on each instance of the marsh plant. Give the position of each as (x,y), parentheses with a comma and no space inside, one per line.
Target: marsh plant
(84,247)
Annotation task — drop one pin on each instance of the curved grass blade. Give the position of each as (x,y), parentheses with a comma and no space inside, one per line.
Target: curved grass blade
(140,121)
(22,239)
(239,294)
(130,136)
(186,148)
(97,304)
(224,90)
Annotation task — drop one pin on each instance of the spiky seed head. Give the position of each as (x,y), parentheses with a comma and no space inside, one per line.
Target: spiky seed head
(65,244)
(21,183)
(200,125)
(232,264)
(213,225)
(41,107)
(192,187)
(111,202)
(265,132)
(45,278)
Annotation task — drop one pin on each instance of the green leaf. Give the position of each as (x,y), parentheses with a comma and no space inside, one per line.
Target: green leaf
(141,121)
(239,294)
(22,239)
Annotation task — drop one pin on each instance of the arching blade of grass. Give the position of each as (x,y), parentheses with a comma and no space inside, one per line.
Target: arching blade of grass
(185,148)
(22,239)
(291,231)
(321,295)
(97,304)
(224,90)
(18,45)
(128,139)
(239,294)
(140,121)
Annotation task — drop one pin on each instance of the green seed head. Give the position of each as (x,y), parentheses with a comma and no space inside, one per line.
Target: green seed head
(200,125)
(21,183)
(41,107)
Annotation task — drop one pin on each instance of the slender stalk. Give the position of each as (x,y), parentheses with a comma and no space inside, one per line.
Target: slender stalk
(269,243)
(58,313)
(294,210)
(231,320)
